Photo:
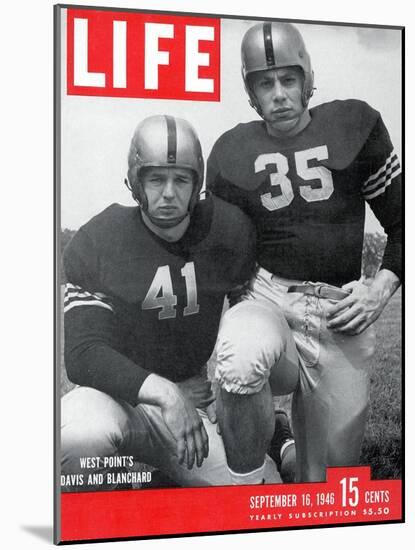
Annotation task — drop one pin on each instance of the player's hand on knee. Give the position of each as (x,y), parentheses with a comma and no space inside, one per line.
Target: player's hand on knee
(180,416)
(198,390)
(186,426)
(356,312)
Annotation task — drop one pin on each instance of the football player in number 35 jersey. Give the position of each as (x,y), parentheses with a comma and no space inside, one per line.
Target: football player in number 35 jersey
(145,294)
(303,176)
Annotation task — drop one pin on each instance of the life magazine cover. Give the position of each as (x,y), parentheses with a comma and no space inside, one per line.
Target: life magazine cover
(229,271)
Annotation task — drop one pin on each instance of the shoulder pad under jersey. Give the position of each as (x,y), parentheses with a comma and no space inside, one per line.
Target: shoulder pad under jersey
(345,127)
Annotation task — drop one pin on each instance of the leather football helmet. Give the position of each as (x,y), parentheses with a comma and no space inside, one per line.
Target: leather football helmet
(272,45)
(164,140)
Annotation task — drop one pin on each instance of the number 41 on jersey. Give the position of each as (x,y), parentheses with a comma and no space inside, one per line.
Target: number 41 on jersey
(161,295)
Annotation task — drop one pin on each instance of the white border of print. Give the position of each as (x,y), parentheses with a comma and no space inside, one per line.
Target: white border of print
(27,270)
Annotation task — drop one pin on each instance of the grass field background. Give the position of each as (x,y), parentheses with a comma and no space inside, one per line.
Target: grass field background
(382,443)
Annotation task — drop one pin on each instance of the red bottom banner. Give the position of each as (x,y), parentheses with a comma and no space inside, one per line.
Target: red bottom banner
(348,496)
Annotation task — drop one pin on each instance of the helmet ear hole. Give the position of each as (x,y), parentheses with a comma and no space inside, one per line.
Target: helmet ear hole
(127,184)
(194,199)
(308,89)
(134,185)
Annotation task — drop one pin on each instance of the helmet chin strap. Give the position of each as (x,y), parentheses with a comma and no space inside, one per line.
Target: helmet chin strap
(165,223)
(171,231)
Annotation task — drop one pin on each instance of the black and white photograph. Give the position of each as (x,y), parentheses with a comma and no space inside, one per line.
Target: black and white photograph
(228,273)
(258,270)
(230,257)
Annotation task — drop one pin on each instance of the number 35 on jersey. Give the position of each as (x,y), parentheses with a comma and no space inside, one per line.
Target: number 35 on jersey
(274,201)
(161,293)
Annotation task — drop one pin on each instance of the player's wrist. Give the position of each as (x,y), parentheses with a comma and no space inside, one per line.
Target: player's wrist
(158,391)
(384,285)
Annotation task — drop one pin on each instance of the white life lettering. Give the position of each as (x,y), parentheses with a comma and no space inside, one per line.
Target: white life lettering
(82,77)
(195,59)
(153,56)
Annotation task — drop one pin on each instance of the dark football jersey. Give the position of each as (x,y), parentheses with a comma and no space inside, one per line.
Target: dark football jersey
(136,303)
(306,193)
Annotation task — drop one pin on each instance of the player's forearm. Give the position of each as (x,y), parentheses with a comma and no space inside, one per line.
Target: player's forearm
(92,357)
(392,257)
(103,368)
(388,210)
(385,285)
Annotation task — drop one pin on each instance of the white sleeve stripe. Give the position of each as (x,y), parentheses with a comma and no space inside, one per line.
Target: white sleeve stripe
(73,290)
(383,181)
(381,189)
(84,294)
(69,293)
(392,157)
(82,298)
(69,287)
(77,303)
(385,174)
(378,192)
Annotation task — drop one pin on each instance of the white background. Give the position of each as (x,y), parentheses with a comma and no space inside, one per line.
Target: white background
(26,219)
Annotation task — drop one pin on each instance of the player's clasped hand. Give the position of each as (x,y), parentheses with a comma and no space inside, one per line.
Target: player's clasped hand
(198,390)
(356,312)
(183,420)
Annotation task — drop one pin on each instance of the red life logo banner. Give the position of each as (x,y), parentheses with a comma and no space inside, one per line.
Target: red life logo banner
(143,55)
(348,497)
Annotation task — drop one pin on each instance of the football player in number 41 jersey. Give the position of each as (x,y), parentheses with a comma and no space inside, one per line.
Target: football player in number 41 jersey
(144,299)
(303,176)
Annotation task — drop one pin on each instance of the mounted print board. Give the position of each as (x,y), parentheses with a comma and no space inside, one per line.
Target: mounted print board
(228,297)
